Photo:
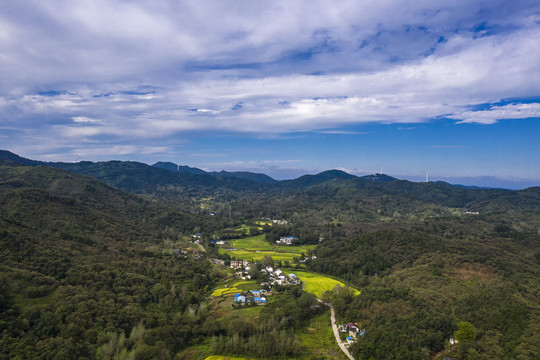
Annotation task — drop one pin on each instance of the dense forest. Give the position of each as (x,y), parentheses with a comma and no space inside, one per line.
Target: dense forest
(91,271)
(85,274)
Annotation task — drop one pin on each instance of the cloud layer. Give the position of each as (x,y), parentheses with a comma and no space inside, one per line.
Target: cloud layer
(93,74)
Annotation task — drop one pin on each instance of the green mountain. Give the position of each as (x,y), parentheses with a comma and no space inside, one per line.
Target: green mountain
(89,271)
(174,167)
(137,177)
(84,263)
(310,180)
(246,175)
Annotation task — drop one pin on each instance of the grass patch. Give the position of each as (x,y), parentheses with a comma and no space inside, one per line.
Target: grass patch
(256,247)
(296,249)
(257,256)
(236,288)
(318,337)
(317,284)
(263,223)
(252,243)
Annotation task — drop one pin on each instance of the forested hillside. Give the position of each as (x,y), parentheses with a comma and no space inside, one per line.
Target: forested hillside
(88,271)
(419,285)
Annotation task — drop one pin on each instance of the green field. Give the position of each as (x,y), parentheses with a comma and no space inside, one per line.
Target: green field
(252,243)
(257,256)
(317,284)
(318,337)
(263,223)
(238,286)
(256,247)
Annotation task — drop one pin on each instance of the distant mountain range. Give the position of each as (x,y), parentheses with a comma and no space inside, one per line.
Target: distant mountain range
(221,174)
(139,177)
(168,179)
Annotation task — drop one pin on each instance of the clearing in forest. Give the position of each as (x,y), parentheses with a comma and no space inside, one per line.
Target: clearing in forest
(317,284)
(252,243)
(256,247)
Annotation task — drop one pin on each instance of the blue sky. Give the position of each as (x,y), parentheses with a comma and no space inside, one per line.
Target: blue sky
(280,87)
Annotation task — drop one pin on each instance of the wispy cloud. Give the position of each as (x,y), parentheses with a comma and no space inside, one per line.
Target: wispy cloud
(86,120)
(495,113)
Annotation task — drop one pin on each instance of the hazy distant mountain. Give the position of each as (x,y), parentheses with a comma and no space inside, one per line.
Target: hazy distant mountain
(158,179)
(138,177)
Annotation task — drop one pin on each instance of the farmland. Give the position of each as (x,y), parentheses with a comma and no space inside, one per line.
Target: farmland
(253,243)
(256,247)
(317,284)
(235,287)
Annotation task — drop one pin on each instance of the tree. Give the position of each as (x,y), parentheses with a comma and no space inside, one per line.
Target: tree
(465,332)
(267,260)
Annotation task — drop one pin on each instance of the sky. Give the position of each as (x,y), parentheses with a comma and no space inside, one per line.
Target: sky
(449,88)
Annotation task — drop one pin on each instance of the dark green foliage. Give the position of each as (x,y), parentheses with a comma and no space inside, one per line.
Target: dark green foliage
(273,334)
(72,278)
(420,285)
(84,266)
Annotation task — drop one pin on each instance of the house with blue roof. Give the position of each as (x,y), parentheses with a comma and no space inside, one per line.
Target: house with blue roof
(239,298)
(259,300)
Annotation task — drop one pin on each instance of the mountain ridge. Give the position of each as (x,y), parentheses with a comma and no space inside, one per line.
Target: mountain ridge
(140,177)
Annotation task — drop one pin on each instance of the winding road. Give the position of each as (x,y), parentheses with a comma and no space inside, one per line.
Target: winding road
(335,329)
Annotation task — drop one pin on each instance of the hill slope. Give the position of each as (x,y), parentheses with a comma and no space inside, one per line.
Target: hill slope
(83,264)
(137,177)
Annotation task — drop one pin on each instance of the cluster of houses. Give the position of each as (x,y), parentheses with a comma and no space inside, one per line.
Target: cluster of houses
(275,221)
(252,297)
(240,264)
(277,277)
(286,240)
(352,330)
(215,240)
(218,261)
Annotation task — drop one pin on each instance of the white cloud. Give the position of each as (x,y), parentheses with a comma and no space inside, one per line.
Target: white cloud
(118,150)
(86,120)
(129,70)
(492,115)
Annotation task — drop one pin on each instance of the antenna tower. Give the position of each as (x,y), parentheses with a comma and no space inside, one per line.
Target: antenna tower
(427,176)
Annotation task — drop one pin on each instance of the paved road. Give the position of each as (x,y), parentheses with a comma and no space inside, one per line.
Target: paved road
(200,245)
(336,332)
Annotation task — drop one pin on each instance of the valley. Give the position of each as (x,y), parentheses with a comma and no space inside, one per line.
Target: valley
(94,266)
